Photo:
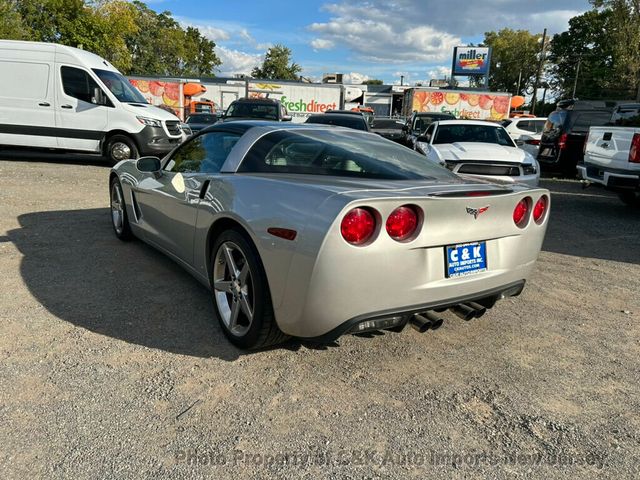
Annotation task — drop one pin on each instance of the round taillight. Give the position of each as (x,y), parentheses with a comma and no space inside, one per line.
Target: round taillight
(540,208)
(402,223)
(357,226)
(520,212)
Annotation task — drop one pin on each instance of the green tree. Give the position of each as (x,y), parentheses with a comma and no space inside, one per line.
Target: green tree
(624,36)
(372,81)
(276,65)
(514,55)
(12,27)
(585,50)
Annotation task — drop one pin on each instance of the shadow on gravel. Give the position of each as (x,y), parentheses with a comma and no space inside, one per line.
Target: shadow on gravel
(76,268)
(591,223)
(48,156)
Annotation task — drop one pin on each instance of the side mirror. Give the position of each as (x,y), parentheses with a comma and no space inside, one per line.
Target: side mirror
(149,164)
(99,98)
(287,118)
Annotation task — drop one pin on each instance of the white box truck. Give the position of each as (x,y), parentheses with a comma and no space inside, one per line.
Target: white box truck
(465,104)
(58,97)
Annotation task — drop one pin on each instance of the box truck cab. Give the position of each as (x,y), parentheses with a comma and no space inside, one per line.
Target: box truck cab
(58,97)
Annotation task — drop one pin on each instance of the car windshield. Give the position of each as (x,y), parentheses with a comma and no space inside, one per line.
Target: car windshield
(202,118)
(387,123)
(253,110)
(119,86)
(472,133)
(421,122)
(343,120)
(339,153)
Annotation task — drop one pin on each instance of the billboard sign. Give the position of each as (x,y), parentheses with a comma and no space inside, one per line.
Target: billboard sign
(471,61)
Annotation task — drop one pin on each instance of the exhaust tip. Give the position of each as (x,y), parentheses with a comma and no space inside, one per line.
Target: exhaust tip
(464,312)
(480,310)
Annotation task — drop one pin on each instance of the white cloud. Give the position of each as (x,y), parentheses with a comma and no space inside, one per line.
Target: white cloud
(322,44)
(237,62)
(354,78)
(439,72)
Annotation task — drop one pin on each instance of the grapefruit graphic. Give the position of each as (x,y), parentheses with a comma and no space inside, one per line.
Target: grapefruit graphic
(172,90)
(486,102)
(142,85)
(501,105)
(436,98)
(170,101)
(156,88)
(473,99)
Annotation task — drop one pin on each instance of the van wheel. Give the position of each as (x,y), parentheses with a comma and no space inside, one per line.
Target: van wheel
(120,147)
(630,198)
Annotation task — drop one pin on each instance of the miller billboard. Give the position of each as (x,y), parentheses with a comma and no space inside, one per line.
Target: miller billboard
(470,61)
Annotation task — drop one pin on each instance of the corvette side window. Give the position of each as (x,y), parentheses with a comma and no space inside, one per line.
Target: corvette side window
(204,154)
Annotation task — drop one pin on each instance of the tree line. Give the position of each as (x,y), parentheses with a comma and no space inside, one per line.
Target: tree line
(597,57)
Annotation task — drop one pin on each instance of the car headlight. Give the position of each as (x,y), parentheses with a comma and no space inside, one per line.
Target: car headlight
(150,122)
(529,169)
(422,146)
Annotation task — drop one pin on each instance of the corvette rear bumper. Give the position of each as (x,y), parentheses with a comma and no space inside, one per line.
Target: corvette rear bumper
(490,296)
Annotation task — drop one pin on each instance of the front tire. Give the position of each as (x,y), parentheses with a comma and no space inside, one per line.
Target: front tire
(120,147)
(241,297)
(119,217)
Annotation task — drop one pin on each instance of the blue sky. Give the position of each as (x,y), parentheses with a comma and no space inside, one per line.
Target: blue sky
(364,39)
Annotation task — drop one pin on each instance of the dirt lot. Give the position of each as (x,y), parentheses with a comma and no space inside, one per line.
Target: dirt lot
(110,365)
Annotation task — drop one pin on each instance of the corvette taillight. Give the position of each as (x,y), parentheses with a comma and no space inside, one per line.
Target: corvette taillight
(540,209)
(358,225)
(402,222)
(521,211)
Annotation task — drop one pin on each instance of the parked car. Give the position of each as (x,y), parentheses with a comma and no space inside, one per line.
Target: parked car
(259,108)
(526,132)
(314,231)
(388,128)
(356,122)
(198,121)
(479,148)
(418,122)
(562,140)
(58,97)
(612,154)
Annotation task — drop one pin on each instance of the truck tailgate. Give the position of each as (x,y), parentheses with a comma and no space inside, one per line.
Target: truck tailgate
(609,147)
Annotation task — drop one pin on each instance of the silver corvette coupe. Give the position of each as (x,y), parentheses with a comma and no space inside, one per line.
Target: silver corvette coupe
(317,231)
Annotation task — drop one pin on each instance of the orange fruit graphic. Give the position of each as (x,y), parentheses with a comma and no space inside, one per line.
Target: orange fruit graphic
(501,104)
(473,99)
(452,98)
(486,102)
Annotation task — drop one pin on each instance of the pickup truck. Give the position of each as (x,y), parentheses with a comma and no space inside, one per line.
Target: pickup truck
(612,154)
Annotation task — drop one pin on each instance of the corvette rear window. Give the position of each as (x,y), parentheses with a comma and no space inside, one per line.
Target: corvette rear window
(338,153)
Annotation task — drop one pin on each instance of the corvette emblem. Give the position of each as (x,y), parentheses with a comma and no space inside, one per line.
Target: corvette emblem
(477,211)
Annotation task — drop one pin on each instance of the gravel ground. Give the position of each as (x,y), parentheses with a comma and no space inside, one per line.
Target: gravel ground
(112,368)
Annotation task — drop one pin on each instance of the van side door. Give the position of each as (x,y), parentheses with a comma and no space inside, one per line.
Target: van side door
(26,97)
(80,119)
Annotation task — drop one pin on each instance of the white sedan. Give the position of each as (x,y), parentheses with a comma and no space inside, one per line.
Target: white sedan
(478,148)
(526,132)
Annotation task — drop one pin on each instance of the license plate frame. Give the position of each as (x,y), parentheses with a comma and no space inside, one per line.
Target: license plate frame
(469,259)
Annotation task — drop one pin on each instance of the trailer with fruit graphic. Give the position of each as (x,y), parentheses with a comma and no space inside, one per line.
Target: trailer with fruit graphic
(182,97)
(464,104)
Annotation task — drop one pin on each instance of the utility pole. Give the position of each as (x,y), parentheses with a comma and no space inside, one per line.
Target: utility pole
(519,80)
(575,82)
(535,85)
(401,79)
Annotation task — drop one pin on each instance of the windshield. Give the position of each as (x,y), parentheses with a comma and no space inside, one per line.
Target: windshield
(339,153)
(350,121)
(202,118)
(119,86)
(472,133)
(253,110)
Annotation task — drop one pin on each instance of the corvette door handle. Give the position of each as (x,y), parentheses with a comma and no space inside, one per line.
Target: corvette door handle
(203,190)
(45,104)
(66,106)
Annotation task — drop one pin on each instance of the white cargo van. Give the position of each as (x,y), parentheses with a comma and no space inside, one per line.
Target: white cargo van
(59,97)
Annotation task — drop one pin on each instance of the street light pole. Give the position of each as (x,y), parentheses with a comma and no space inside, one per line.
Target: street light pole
(535,85)
(575,82)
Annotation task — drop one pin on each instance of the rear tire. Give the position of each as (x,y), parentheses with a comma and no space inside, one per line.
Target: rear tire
(119,218)
(630,198)
(120,147)
(241,296)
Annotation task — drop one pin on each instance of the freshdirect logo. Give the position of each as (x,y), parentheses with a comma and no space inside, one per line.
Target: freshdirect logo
(301,106)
